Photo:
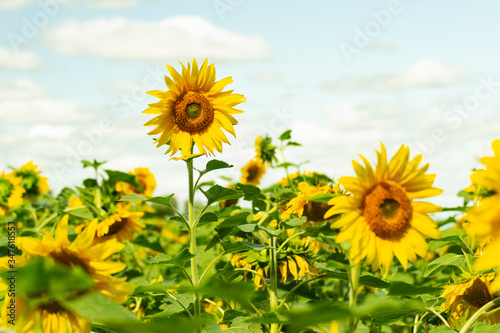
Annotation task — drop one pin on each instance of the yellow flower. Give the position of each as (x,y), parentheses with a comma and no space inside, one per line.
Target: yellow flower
(300,205)
(49,315)
(284,181)
(33,183)
(252,172)
(464,299)
(194,109)
(81,252)
(484,219)
(119,225)
(75,202)
(145,178)
(380,217)
(11,192)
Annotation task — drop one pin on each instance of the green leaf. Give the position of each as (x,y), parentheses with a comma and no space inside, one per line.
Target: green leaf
(94,164)
(208,218)
(243,246)
(219,193)
(183,257)
(118,176)
(80,212)
(214,165)
(160,259)
(133,197)
(398,288)
(286,135)
(325,197)
(251,192)
(247,227)
(162,200)
(449,259)
(485,328)
(157,288)
(292,143)
(296,221)
(150,243)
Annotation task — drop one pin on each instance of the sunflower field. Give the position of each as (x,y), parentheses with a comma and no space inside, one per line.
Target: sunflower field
(366,252)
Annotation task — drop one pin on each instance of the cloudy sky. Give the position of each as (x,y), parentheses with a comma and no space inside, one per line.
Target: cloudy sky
(343,76)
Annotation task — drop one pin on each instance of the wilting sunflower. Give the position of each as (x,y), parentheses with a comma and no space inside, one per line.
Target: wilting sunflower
(300,205)
(119,225)
(81,252)
(32,182)
(194,109)
(380,217)
(484,219)
(145,178)
(253,171)
(464,299)
(50,316)
(265,151)
(11,192)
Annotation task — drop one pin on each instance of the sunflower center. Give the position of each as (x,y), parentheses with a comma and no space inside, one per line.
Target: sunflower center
(69,259)
(388,210)
(193,112)
(315,211)
(253,172)
(6,189)
(116,227)
(51,307)
(478,294)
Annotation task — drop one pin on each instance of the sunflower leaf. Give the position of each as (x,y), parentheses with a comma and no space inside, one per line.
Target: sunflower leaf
(219,193)
(449,259)
(286,135)
(80,212)
(242,246)
(162,200)
(214,165)
(118,176)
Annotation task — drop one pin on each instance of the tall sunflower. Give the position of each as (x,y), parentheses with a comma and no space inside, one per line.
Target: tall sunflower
(11,192)
(253,171)
(145,178)
(194,109)
(32,182)
(464,299)
(380,217)
(81,252)
(484,219)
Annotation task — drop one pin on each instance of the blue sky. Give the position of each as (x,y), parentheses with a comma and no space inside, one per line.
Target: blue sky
(88,63)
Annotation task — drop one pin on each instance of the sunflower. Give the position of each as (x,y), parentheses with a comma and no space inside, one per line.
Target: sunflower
(300,205)
(194,109)
(484,219)
(81,252)
(380,217)
(253,171)
(119,225)
(11,192)
(464,299)
(49,315)
(32,182)
(75,202)
(146,180)
(289,265)
(265,151)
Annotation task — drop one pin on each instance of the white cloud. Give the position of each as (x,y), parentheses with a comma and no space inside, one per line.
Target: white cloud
(12,4)
(268,76)
(423,73)
(24,102)
(10,59)
(50,131)
(113,3)
(180,37)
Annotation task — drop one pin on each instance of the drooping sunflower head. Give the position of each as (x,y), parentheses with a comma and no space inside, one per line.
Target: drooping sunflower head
(32,182)
(300,205)
(464,299)
(265,150)
(145,178)
(120,225)
(253,171)
(194,109)
(381,218)
(83,253)
(11,192)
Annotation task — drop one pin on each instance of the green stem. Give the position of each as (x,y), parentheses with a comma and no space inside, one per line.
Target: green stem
(437,314)
(353,292)
(273,291)
(287,240)
(210,265)
(479,313)
(192,242)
